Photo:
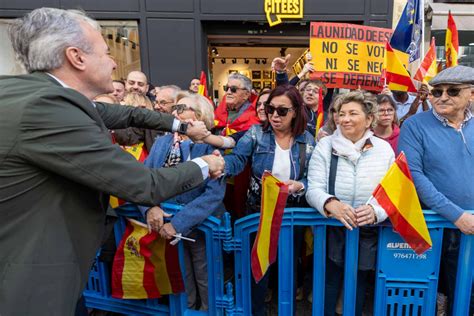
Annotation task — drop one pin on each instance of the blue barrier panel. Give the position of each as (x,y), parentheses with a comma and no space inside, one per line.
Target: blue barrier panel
(406,284)
(98,291)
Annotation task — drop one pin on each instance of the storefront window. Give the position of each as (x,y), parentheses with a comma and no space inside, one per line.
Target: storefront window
(122,38)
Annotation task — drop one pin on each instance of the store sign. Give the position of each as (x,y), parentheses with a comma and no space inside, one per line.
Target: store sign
(348,55)
(276,10)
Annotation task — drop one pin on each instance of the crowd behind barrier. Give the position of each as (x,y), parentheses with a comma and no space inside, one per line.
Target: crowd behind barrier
(406,283)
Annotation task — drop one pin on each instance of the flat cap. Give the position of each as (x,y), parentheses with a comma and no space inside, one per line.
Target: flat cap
(454,75)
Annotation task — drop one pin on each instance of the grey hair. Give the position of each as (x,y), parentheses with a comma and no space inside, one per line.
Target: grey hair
(40,38)
(175,90)
(202,107)
(367,101)
(245,81)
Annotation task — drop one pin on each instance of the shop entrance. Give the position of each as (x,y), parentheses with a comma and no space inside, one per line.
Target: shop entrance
(249,48)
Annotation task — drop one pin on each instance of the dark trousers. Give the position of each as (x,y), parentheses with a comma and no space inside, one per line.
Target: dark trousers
(334,278)
(449,262)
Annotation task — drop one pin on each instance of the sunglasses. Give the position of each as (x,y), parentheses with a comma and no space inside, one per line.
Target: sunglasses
(452,92)
(180,108)
(281,111)
(233,89)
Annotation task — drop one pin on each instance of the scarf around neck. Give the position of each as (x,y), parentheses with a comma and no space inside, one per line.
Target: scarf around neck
(346,148)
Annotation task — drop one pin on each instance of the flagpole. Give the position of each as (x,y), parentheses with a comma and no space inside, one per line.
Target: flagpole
(177,236)
(422,15)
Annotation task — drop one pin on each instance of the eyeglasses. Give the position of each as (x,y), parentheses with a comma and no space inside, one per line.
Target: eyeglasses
(452,92)
(386,111)
(163,102)
(233,89)
(281,111)
(313,90)
(180,108)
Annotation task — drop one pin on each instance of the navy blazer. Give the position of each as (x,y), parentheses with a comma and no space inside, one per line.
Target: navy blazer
(199,203)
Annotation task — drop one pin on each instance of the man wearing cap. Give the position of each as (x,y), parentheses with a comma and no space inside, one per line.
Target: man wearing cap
(439,146)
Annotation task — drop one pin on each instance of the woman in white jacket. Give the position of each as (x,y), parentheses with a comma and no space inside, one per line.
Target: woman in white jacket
(343,171)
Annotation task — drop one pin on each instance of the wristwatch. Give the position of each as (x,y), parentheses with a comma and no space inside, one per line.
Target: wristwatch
(182,128)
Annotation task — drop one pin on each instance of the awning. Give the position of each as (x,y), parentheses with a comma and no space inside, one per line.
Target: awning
(463,16)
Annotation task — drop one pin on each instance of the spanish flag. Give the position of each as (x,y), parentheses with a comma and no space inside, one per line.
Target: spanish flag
(264,250)
(145,265)
(242,123)
(320,115)
(396,194)
(203,84)
(429,67)
(452,42)
(395,74)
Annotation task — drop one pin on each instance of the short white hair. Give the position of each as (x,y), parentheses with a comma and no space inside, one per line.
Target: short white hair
(40,38)
(202,107)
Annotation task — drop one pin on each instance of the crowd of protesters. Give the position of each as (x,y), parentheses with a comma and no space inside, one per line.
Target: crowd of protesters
(333,169)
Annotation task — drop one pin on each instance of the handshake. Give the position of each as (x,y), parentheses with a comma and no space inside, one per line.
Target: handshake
(216,164)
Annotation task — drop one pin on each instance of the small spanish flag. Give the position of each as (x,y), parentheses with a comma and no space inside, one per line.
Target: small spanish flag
(429,67)
(452,42)
(396,76)
(202,90)
(145,265)
(264,250)
(320,114)
(396,194)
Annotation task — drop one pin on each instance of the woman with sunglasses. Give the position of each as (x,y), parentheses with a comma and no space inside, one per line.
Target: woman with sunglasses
(281,145)
(387,122)
(197,204)
(357,162)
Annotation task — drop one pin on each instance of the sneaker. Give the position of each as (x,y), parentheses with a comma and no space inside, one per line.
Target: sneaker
(299,294)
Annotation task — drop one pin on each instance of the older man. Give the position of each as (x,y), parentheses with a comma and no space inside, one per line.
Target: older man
(136,82)
(58,163)
(166,98)
(439,145)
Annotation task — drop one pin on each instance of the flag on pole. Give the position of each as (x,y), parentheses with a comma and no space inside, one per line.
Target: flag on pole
(407,37)
(145,265)
(395,74)
(396,194)
(452,43)
(320,114)
(264,250)
(203,84)
(429,67)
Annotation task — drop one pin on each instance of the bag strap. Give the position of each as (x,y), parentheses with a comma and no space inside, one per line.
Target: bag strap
(332,174)
(302,159)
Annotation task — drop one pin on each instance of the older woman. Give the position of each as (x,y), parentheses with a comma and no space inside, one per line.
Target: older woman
(281,145)
(358,160)
(387,122)
(198,204)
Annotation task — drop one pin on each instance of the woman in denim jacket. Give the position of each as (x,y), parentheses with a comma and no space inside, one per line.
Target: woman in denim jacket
(282,146)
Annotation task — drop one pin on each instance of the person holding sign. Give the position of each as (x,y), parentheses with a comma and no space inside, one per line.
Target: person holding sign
(350,158)
(281,145)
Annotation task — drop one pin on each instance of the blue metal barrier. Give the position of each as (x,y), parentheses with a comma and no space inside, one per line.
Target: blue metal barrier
(406,284)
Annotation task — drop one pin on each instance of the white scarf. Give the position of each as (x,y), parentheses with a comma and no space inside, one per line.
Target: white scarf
(346,148)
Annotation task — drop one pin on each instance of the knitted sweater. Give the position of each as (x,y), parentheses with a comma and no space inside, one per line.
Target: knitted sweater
(441,161)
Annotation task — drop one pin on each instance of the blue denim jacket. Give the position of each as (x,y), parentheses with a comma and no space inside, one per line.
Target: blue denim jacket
(258,147)
(200,202)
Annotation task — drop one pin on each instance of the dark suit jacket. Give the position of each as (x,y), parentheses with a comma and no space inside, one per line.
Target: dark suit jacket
(57,167)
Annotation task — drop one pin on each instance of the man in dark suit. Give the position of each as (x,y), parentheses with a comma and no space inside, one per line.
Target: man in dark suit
(58,163)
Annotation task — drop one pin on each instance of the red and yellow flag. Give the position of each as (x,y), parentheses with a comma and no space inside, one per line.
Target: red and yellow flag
(145,265)
(264,250)
(395,74)
(396,194)
(203,84)
(429,67)
(452,42)
(320,115)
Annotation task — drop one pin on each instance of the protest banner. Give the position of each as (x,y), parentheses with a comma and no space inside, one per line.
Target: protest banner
(348,55)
